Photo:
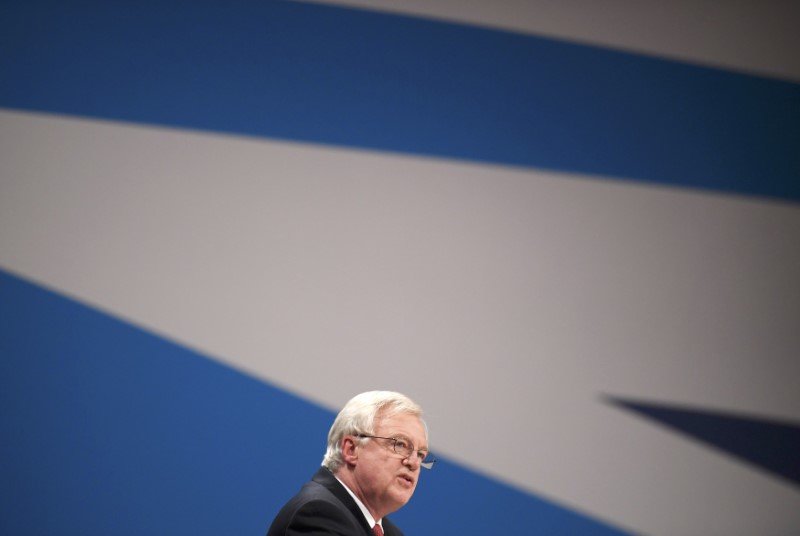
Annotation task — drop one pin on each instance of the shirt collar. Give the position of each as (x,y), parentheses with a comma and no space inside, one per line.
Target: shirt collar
(370,520)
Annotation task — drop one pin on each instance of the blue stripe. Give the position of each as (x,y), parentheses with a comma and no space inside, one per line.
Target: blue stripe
(109,430)
(346,77)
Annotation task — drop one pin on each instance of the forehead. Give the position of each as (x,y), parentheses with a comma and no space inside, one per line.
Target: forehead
(401,424)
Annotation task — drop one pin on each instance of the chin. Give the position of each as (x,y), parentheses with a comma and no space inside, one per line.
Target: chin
(402,498)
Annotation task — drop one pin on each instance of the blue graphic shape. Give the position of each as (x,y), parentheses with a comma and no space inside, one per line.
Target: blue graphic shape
(108,429)
(769,444)
(378,81)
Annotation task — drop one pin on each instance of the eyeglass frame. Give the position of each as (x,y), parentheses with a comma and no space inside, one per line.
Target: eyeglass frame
(411,450)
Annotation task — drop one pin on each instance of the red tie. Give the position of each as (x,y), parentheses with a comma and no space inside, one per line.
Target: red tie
(377,530)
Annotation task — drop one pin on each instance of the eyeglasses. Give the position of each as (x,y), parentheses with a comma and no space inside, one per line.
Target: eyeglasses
(405,448)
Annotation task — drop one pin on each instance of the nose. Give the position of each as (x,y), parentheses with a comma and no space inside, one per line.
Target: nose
(413,461)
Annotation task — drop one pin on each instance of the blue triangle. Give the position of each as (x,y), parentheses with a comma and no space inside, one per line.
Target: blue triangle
(769,444)
(109,429)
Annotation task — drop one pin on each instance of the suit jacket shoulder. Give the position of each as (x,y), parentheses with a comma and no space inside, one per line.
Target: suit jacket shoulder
(324,507)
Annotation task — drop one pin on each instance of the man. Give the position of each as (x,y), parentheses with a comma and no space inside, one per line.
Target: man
(376,447)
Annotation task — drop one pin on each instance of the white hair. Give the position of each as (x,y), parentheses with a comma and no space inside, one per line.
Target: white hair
(358,417)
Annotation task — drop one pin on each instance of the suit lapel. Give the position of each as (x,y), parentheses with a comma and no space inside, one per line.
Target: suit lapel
(325,478)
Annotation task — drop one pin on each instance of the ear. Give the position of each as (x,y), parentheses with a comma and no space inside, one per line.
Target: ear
(350,450)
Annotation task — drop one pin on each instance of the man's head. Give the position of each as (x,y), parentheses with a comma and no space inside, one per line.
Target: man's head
(366,449)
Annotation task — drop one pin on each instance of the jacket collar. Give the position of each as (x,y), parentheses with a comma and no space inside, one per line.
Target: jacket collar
(325,478)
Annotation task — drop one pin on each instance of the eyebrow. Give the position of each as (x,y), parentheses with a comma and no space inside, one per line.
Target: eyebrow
(403,436)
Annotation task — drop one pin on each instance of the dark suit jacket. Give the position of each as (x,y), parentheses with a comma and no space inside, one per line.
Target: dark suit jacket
(324,507)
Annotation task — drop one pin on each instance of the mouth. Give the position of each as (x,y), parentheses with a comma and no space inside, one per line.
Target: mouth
(406,481)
